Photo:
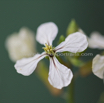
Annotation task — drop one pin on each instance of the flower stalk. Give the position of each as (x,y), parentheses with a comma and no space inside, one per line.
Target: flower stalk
(70,96)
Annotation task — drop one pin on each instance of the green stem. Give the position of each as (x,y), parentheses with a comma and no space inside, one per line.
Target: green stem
(70,97)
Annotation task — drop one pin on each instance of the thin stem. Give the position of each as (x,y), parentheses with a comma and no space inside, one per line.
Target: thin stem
(70,97)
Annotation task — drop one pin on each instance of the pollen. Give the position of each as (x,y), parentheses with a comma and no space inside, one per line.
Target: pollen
(49,49)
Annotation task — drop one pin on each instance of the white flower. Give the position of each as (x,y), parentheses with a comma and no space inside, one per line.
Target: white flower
(98,66)
(20,45)
(59,75)
(96,40)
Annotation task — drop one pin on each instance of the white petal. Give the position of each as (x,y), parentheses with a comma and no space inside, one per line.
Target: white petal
(26,66)
(21,45)
(46,33)
(76,42)
(98,66)
(59,75)
(96,40)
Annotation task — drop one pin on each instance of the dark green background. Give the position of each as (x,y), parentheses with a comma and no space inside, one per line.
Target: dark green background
(15,88)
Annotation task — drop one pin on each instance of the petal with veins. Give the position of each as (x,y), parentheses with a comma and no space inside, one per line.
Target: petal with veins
(76,42)
(46,33)
(96,40)
(59,75)
(26,66)
(98,66)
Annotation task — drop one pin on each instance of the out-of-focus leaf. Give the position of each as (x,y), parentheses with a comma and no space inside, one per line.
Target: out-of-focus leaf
(42,73)
(73,27)
(101,99)
(86,69)
(61,39)
(76,62)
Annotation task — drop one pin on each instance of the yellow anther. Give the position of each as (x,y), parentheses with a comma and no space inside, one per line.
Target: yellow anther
(48,49)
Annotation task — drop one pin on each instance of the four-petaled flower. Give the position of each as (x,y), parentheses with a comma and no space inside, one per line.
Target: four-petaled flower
(59,75)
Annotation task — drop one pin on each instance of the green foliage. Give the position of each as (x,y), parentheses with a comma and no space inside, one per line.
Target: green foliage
(76,62)
(86,69)
(101,100)
(73,27)
(61,39)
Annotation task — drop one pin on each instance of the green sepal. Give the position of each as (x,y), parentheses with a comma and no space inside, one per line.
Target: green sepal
(47,57)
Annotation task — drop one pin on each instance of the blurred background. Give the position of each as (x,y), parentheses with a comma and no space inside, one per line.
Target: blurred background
(15,88)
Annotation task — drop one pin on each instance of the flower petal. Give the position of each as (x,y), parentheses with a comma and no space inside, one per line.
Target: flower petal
(59,75)
(98,66)
(46,33)
(96,40)
(76,42)
(21,45)
(26,66)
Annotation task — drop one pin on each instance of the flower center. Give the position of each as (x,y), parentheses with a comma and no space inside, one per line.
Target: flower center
(49,50)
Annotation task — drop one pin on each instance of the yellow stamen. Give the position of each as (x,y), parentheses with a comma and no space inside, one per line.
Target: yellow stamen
(48,49)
